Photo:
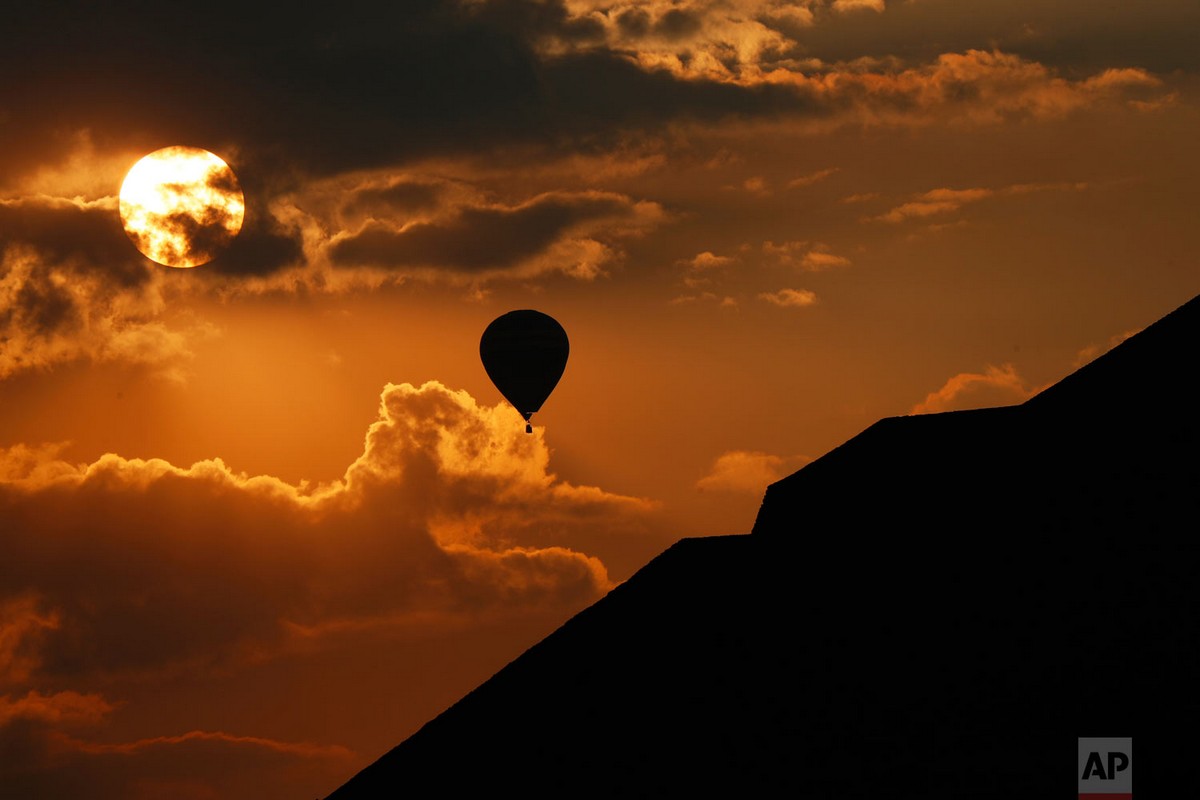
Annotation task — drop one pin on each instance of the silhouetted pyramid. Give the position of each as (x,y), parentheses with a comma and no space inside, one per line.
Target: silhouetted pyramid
(937,608)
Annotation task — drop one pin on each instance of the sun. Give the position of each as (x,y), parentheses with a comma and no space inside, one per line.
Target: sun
(181,206)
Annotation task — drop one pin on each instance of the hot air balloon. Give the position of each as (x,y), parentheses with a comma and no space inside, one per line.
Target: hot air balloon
(524,353)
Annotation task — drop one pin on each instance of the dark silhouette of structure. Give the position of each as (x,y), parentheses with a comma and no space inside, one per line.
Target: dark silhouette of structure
(939,607)
(525,353)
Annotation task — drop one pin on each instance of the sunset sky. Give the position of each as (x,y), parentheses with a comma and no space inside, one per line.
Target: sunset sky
(263,518)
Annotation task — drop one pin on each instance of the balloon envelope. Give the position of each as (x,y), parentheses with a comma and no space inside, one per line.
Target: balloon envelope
(524,353)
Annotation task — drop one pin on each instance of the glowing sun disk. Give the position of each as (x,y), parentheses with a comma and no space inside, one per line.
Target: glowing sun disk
(181,206)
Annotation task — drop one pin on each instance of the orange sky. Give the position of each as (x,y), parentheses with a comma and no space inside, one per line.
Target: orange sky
(263,518)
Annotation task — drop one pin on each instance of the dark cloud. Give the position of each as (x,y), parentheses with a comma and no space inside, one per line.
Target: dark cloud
(223,181)
(65,267)
(80,237)
(325,93)
(479,238)
(1078,36)
(532,20)
(593,94)
(402,196)
(264,246)
(634,22)
(308,94)
(320,92)
(677,24)
(42,307)
(312,89)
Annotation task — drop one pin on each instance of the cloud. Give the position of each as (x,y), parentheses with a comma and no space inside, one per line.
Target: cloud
(1094,351)
(944,201)
(705,272)
(265,245)
(60,707)
(335,94)
(23,629)
(995,386)
(72,233)
(450,508)
(495,239)
(546,82)
(861,197)
(302,749)
(58,758)
(195,765)
(707,260)
(1076,35)
(721,301)
(403,196)
(935,201)
(125,570)
(715,39)
(976,87)
(847,6)
(323,92)
(756,185)
(72,287)
(748,471)
(802,255)
(811,178)
(815,260)
(790,298)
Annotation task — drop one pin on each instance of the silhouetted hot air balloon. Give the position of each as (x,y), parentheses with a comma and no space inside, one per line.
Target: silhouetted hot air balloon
(524,353)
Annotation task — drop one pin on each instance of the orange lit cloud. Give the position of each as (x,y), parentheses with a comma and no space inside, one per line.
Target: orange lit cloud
(1121,78)
(802,255)
(58,759)
(706,261)
(845,6)
(60,707)
(815,260)
(451,515)
(811,178)
(196,765)
(1094,351)
(944,201)
(705,271)
(748,471)
(976,87)
(996,386)
(790,298)
(861,197)
(936,201)
(451,508)
(721,301)
(302,749)
(716,38)
(23,628)
(766,43)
